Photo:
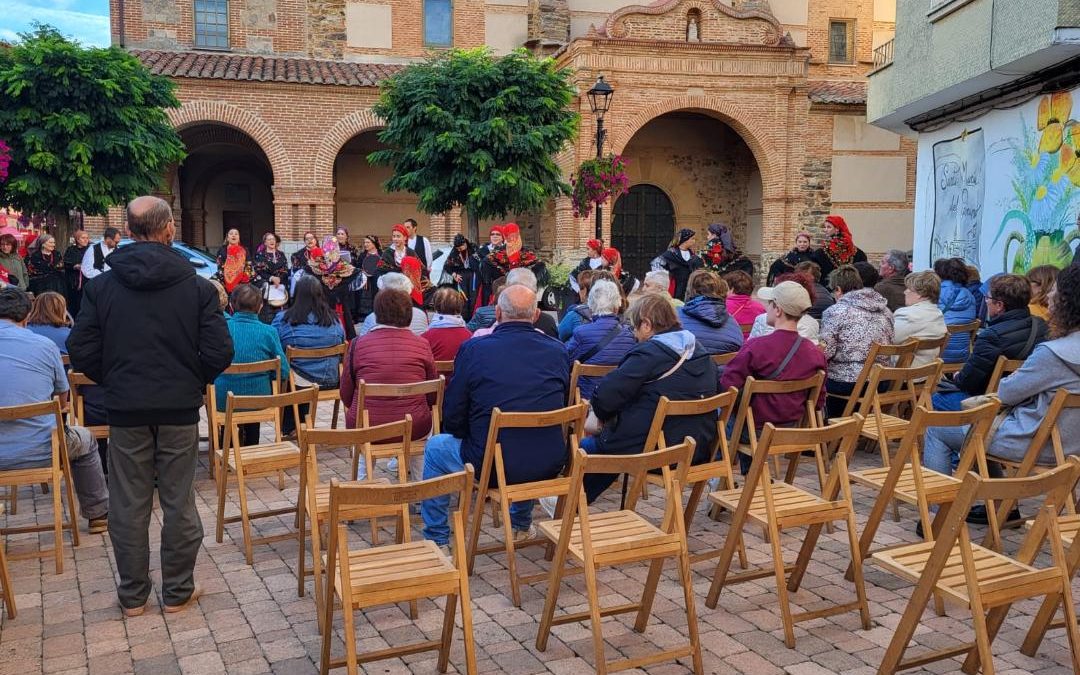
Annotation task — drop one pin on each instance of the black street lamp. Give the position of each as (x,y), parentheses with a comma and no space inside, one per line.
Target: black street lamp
(600,101)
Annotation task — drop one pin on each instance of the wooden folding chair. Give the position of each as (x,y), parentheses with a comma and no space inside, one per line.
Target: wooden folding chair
(366,390)
(724,359)
(1048,432)
(572,420)
(316,505)
(744,418)
(986,582)
(698,475)
(900,356)
(778,506)
(215,419)
(5,579)
(260,459)
(892,394)
(598,540)
(1069,527)
(907,480)
(59,467)
(581,370)
(76,383)
(972,329)
(333,394)
(399,572)
(937,345)
(1002,367)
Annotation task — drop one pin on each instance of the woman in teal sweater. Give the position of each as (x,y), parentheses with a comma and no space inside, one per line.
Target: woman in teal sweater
(253,340)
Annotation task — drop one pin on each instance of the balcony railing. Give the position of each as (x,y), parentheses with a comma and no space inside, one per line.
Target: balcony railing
(883,55)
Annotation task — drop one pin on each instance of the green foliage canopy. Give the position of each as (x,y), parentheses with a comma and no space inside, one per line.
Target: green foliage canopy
(87,126)
(465,128)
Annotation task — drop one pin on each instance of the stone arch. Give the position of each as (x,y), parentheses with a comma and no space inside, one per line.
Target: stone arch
(346,128)
(752,133)
(208,112)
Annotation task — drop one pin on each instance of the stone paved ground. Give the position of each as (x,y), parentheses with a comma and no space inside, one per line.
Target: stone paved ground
(250,620)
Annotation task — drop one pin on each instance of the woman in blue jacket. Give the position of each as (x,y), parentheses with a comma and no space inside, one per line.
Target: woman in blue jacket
(957,304)
(605,340)
(705,313)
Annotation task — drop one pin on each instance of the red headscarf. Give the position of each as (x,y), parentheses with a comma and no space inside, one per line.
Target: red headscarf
(840,224)
(499,229)
(612,257)
(402,229)
(511,228)
(411,267)
(596,245)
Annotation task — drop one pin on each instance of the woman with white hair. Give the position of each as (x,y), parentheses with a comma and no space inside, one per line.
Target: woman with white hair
(605,340)
(398,282)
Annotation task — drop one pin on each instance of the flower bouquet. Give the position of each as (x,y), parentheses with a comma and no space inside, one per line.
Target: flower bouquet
(598,180)
(326,263)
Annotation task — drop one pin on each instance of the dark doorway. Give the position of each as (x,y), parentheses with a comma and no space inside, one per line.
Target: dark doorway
(244,223)
(642,227)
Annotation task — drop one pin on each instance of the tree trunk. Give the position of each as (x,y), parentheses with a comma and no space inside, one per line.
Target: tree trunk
(62,230)
(474,227)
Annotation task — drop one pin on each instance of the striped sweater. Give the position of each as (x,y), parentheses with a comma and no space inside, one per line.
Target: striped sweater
(253,340)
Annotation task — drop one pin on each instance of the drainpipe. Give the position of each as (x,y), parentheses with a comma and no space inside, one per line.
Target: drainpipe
(122,21)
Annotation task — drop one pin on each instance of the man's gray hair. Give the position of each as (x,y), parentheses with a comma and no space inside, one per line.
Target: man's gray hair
(395,281)
(660,277)
(522,276)
(148,216)
(604,298)
(517,303)
(898,260)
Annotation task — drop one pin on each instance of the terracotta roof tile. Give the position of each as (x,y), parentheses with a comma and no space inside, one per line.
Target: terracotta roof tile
(225,66)
(843,92)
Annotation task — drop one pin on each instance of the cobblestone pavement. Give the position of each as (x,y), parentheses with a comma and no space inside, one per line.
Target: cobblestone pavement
(250,620)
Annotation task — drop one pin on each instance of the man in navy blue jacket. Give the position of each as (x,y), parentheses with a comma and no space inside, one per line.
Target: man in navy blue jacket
(516,369)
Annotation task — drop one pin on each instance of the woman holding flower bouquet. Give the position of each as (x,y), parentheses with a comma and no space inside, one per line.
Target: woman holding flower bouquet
(335,273)
(722,255)
(837,249)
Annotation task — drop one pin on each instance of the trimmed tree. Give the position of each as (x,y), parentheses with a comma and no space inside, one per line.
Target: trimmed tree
(465,128)
(86,126)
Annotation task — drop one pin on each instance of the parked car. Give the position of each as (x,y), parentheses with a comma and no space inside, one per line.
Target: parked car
(205,265)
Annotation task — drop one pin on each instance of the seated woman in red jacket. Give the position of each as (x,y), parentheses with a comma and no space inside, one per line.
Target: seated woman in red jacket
(447,330)
(389,354)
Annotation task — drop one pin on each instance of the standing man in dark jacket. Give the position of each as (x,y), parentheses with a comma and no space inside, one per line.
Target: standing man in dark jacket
(893,269)
(516,369)
(151,334)
(1010,331)
(667,361)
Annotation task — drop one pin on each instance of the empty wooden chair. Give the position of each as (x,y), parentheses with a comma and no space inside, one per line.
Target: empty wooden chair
(892,394)
(986,582)
(598,540)
(581,370)
(698,475)
(327,394)
(900,356)
(5,579)
(364,390)
(59,468)
(316,505)
(778,506)
(908,481)
(970,328)
(215,419)
(399,572)
(260,459)
(493,485)
(1002,368)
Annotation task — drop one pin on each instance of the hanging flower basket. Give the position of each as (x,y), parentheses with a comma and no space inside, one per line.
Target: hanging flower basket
(596,181)
(5,160)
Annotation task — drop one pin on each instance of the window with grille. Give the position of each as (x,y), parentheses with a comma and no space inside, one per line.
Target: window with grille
(438,23)
(212,24)
(841,41)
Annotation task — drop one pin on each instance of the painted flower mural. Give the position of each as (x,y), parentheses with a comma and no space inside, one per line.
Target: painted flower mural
(1046,184)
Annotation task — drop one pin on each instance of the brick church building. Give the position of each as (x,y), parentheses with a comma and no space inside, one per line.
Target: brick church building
(747,112)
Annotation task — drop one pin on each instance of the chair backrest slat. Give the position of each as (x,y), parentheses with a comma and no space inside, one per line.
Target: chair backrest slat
(266,366)
(315,352)
(353,437)
(307,395)
(724,359)
(380,390)
(1002,367)
(574,414)
(360,493)
(27,410)
(640,463)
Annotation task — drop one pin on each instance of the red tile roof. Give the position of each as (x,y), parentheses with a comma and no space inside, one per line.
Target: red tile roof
(226,66)
(844,92)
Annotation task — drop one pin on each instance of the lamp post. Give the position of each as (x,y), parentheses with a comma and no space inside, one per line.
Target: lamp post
(600,101)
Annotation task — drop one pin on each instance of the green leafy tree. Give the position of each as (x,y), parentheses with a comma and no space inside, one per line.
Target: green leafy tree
(86,126)
(465,128)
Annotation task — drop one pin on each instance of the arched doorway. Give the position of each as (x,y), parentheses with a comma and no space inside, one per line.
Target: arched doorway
(360,203)
(225,182)
(642,226)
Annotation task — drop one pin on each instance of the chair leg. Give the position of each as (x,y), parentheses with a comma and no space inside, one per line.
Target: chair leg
(592,591)
(648,595)
(781,586)
(551,599)
(349,623)
(317,571)
(337,405)
(686,577)
(723,565)
(5,581)
(13,499)
(856,563)
(511,552)
(69,488)
(982,638)
(477,524)
(58,528)
(245,521)
(222,480)
(447,632)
